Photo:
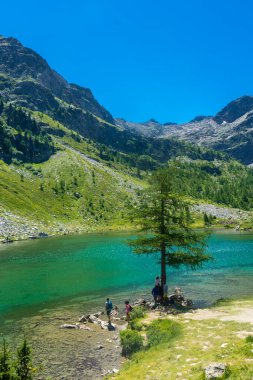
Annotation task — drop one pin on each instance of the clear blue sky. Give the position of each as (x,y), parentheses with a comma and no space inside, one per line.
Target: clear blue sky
(163,59)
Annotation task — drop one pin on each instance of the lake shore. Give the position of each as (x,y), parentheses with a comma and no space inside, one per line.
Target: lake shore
(219,338)
(94,353)
(17,228)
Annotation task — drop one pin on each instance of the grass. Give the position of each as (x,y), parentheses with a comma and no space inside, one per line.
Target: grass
(68,190)
(189,352)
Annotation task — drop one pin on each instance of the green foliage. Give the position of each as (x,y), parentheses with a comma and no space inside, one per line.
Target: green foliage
(249,339)
(24,362)
(5,363)
(166,215)
(225,182)
(135,324)
(131,342)
(16,369)
(136,314)
(21,137)
(162,331)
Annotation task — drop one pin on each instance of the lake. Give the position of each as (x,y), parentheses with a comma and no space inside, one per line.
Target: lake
(78,272)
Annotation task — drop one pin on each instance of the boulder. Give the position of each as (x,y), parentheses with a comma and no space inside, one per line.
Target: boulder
(140,302)
(85,328)
(98,314)
(215,371)
(93,319)
(82,319)
(69,326)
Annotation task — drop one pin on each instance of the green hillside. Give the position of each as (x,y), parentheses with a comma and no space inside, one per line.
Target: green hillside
(56,181)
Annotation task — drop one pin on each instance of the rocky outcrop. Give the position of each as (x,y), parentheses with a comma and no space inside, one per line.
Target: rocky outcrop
(215,371)
(234,110)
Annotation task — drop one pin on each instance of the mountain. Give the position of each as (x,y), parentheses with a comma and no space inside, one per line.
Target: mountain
(67,165)
(229,131)
(27,80)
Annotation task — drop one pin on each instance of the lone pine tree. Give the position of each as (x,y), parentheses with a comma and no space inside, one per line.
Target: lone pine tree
(166,219)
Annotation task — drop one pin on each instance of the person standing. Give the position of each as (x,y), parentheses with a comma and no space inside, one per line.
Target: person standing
(128,310)
(108,309)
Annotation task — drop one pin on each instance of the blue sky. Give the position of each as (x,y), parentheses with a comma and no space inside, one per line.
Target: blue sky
(163,59)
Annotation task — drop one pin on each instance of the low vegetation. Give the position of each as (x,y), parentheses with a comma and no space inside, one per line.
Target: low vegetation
(180,347)
(16,366)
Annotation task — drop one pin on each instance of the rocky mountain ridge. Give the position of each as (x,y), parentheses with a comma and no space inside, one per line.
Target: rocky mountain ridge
(24,72)
(230,130)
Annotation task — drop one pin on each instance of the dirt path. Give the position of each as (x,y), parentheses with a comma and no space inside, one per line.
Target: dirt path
(236,313)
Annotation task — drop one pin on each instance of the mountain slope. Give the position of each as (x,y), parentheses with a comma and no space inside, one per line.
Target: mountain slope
(230,131)
(26,74)
(67,165)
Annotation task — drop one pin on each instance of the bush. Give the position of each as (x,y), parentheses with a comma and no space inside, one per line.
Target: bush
(162,331)
(131,342)
(138,312)
(249,339)
(134,324)
(19,368)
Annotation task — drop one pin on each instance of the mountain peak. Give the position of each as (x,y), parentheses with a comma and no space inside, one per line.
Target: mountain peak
(235,109)
(9,41)
(29,81)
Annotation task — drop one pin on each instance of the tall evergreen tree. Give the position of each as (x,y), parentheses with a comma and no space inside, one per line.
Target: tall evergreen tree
(5,365)
(24,362)
(166,219)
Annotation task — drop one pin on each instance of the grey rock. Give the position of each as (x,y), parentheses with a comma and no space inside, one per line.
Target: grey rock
(215,371)
(69,326)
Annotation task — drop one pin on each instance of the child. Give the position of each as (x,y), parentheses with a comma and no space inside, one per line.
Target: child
(128,310)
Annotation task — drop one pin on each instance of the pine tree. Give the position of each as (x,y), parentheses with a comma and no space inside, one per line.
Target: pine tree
(166,218)
(5,366)
(24,365)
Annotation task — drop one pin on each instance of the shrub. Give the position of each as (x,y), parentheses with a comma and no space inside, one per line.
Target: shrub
(138,312)
(131,342)
(19,368)
(249,339)
(162,331)
(134,324)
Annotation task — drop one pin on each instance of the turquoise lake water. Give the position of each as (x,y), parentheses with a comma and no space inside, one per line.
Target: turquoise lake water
(48,273)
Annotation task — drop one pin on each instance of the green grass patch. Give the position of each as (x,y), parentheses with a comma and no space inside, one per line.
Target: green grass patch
(162,331)
(131,342)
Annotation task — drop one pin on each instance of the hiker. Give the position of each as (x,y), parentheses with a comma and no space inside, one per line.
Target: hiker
(108,309)
(128,310)
(157,293)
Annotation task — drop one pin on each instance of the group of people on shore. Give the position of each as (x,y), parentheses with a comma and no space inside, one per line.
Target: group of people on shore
(159,292)
(113,311)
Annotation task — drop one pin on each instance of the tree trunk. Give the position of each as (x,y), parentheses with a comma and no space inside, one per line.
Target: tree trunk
(163,263)
(163,246)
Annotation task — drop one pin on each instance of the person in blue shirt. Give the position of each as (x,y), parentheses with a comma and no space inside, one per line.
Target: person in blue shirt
(108,309)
